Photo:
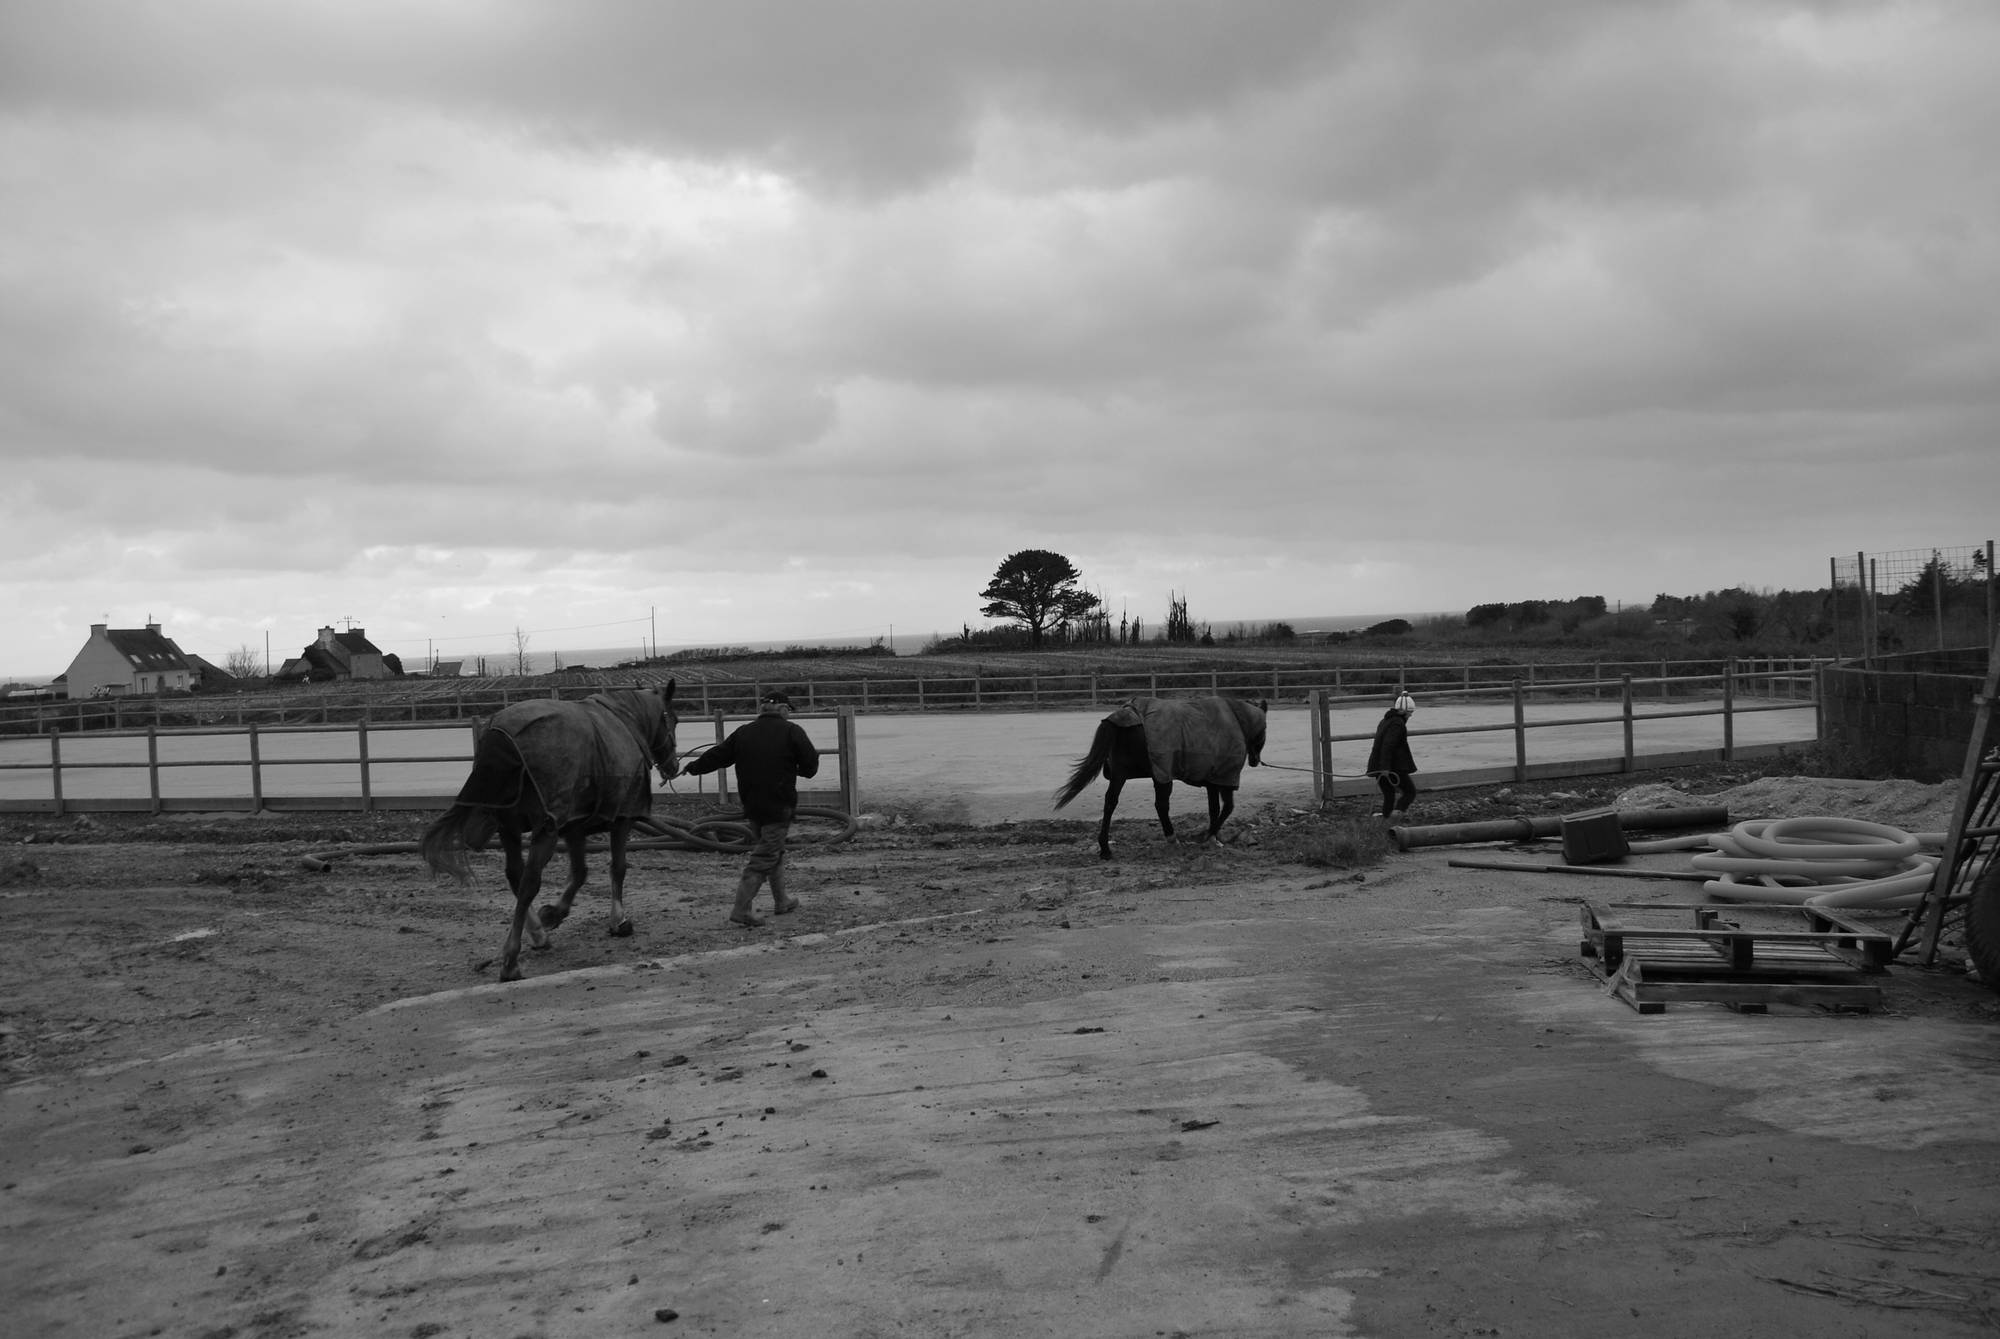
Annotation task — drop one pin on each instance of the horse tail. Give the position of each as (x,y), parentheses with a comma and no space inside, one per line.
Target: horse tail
(1089,765)
(444,844)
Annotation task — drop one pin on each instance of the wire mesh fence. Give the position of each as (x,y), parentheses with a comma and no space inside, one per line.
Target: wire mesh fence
(1914,600)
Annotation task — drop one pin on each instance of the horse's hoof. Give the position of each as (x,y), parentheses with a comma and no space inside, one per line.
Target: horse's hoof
(551,917)
(622,930)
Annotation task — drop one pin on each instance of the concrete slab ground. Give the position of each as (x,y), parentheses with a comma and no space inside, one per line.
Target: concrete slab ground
(1294,1103)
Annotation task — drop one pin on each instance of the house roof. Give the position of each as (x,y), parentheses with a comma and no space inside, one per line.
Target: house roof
(147,649)
(208,669)
(356,645)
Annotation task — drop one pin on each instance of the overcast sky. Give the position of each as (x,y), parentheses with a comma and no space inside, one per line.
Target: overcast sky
(790,321)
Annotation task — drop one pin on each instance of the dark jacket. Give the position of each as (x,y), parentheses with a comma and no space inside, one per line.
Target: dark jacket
(1392,746)
(769,754)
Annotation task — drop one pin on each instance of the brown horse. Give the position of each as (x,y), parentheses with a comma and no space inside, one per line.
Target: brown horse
(1203,741)
(553,770)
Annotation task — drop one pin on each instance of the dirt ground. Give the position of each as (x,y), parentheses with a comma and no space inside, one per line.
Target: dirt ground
(1297,1083)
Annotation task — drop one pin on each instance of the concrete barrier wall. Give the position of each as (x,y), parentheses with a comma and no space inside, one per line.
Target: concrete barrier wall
(1904,716)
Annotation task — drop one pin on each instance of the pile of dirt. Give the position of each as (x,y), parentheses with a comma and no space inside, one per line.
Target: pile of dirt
(1909,805)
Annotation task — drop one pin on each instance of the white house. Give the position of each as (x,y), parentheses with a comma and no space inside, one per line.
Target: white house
(125,661)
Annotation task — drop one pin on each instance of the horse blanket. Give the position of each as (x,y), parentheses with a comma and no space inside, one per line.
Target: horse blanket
(1202,741)
(588,760)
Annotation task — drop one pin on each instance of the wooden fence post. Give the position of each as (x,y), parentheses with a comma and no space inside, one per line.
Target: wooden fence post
(361,745)
(721,774)
(1520,734)
(1322,749)
(1729,711)
(256,773)
(55,765)
(153,764)
(1625,698)
(850,778)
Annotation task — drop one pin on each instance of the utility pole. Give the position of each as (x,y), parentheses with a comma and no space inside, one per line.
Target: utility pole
(652,620)
(267,653)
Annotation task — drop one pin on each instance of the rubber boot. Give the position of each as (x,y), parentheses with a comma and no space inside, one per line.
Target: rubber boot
(785,905)
(746,894)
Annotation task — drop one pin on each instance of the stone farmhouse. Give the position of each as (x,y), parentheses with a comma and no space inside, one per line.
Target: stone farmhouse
(121,662)
(341,655)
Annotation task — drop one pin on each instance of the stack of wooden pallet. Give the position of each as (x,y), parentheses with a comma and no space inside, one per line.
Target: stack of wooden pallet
(1747,956)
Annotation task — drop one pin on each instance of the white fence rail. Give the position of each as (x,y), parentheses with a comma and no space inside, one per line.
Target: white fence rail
(1741,694)
(413,701)
(222,769)
(1517,732)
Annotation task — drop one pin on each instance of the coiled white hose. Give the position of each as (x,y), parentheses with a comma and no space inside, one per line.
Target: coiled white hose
(1821,862)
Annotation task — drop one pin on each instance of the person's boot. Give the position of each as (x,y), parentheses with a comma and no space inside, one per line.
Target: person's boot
(746,894)
(784,906)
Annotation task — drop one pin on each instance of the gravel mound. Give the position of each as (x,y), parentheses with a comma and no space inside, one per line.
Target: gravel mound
(1909,805)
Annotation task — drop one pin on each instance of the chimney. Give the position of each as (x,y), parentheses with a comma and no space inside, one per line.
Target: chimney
(153,628)
(97,629)
(326,636)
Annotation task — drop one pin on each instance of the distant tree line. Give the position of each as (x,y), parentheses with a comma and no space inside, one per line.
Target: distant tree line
(1038,599)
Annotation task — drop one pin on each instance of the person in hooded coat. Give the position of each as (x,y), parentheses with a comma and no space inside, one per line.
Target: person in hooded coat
(1389,761)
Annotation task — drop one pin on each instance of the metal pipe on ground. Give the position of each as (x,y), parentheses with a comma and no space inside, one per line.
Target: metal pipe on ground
(1609,871)
(1529,829)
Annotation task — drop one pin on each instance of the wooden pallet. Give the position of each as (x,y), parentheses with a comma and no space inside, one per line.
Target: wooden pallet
(1747,956)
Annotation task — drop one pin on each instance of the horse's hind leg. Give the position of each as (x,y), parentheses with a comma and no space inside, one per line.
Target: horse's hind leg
(1221,804)
(621,924)
(552,916)
(526,877)
(1163,791)
(1112,786)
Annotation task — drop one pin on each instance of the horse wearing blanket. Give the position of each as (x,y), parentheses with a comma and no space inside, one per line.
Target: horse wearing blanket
(1203,741)
(552,771)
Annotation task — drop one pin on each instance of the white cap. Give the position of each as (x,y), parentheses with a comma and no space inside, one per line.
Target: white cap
(1405,703)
